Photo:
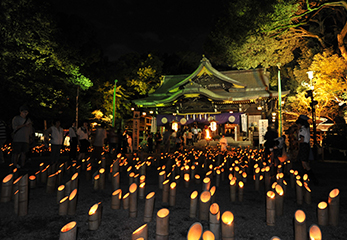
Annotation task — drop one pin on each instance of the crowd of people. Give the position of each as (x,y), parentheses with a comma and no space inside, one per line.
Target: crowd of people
(276,149)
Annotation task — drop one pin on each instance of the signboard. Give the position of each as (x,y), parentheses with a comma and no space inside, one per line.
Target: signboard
(244,123)
(263,124)
(136,130)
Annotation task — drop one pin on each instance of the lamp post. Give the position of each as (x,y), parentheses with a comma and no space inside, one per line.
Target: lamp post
(114,103)
(309,93)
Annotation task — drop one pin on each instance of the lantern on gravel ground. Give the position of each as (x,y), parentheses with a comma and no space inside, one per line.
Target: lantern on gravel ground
(69,231)
(228,231)
(300,225)
(195,231)
(162,226)
(334,202)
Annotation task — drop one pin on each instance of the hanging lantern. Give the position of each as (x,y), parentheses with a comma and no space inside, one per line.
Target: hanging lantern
(174,126)
(213,125)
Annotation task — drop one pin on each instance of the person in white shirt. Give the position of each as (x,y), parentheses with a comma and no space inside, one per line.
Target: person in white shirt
(223,143)
(83,134)
(99,140)
(73,141)
(56,135)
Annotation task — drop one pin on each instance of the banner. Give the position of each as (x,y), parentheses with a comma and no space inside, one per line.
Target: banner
(244,123)
(263,124)
(203,118)
(136,130)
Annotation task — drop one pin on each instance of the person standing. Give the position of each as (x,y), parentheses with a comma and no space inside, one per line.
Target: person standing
(73,141)
(22,127)
(304,146)
(3,138)
(150,143)
(56,135)
(158,140)
(99,140)
(223,143)
(269,144)
(130,143)
(83,134)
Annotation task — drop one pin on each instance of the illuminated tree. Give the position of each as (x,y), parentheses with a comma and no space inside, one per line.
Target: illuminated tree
(148,75)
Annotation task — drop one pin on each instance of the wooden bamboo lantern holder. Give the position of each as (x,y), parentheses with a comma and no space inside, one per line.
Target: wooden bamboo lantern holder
(334,205)
(131,178)
(177,179)
(172,200)
(94,217)
(60,193)
(69,231)
(166,192)
(270,208)
(51,183)
(133,200)
(241,186)
(149,205)
(307,194)
(59,176)
(142,190)
(38,176)
(206,184)
(197,179)
(63,206)
(102,176)
(205,199)
(208,235)
(115,181)
(275,238)
(162,224)
(126,201)
(292,178)
(116,199)
(315,232)
(193,204)
(323,214)
(214,221)
(72,203)
(267,178)
(44,174)
(162,177)
(96,182)
(16,202)
(213,194)
(15,185)
(141,232)
(115,166)
(299,193)
(186,180)
(300,225)
(6,188)
(68,188)
(74,181)
(89,173)
(228,231)
(195,231)
(41,166)
(279,200)
(233,189)
(23,188)
(32,181)
(257,178)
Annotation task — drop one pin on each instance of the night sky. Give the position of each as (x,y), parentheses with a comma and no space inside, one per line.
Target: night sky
(125,26)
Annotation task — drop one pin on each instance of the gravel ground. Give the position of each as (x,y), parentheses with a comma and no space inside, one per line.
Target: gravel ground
(44,222)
